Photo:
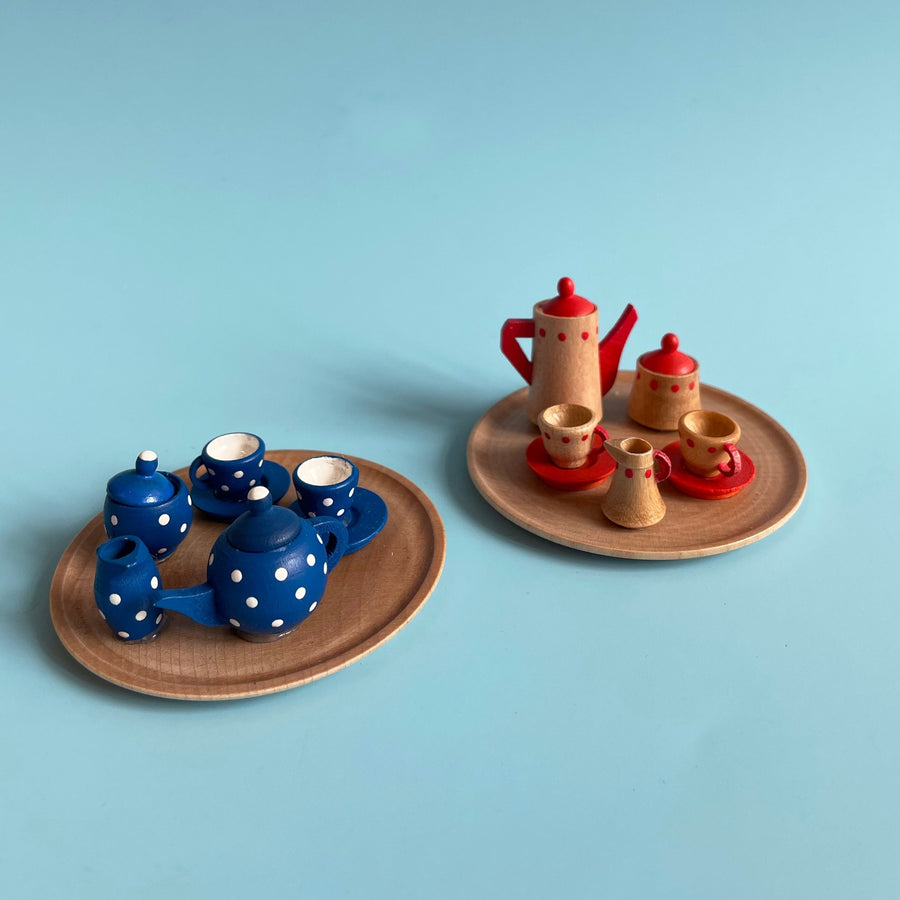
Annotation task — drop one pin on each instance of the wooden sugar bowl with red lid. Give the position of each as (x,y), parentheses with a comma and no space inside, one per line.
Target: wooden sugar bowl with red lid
(666,386)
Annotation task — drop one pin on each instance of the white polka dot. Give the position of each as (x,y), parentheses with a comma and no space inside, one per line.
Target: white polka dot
(162,550)
(252,602)
(340,512)
(281,573)
(311,559)
(311,515)
(325,568)
(115,599)
(183,528)
(211,471)
(239,473)
(237,575)
(277,623)
(299,495)
(101,614)
(154,582)
(141,615)
(315,603)
(164,519)
(159,618)
(225,488)
(114,520)
(212,556)
(319,539)
(252,482)
(300,593)
(235,623)
(260,463)
(328,501)
(352,492)
(124,634)
(190,500)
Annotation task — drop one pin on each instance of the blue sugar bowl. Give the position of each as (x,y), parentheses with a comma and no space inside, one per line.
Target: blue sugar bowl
(154,506)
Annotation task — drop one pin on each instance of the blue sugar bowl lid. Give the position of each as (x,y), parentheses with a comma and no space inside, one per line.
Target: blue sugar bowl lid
(264,526)
(142,485)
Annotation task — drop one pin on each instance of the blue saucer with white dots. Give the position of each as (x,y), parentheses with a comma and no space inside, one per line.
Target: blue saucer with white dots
(366,519)
(272,476)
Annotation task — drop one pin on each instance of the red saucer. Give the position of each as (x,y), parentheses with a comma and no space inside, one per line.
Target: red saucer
(716,488)
(599,466)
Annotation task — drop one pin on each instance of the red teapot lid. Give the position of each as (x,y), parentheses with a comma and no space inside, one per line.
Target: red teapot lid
(669,360)
(568,303)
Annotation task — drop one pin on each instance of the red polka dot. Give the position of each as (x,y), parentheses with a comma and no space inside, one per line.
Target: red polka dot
(637,377)
(654,384)
(691,386)
(543,332)
(629,473)
(647,474)
(566,440)
(675,388)
(711,450)
(690,441)
(584,335)
(547,435)
(584,437)
(562,335)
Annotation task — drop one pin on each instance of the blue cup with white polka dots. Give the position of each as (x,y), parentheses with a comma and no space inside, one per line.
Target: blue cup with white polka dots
(325,486)
(230,465)
(126,587)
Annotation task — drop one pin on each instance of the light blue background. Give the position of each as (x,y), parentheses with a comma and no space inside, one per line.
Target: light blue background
(309,220)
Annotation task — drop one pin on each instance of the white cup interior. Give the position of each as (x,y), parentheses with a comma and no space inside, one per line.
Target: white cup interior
(232,446)
(324,470)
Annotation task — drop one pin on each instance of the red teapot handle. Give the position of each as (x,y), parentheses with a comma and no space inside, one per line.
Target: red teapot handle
(513,329)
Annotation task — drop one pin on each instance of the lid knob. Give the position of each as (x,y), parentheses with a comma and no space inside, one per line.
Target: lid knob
(259,499)
(146,463)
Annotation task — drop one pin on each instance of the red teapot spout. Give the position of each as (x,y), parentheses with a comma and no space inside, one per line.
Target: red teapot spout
(612,345)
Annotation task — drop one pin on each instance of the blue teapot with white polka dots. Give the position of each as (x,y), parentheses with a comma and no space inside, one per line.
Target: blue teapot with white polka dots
(265,574)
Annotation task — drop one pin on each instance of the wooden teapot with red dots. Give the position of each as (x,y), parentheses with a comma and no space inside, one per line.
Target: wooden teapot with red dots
(567,365)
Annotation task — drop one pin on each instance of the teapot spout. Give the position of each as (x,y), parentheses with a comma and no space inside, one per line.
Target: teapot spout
(612,345)
(197,603)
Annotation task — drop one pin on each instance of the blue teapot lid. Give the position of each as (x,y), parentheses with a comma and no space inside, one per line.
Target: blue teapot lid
(142,485)
(264,526)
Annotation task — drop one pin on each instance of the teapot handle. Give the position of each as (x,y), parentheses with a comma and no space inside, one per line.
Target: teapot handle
(513,329)
(327,527)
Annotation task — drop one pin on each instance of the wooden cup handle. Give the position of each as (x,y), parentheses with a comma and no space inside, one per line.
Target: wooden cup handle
(733,466)
(665,465)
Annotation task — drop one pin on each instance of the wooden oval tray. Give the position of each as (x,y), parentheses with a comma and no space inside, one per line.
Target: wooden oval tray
(371,595)
(691,527)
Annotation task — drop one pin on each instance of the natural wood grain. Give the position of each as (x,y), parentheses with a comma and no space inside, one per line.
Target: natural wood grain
(370,596)
(691,527)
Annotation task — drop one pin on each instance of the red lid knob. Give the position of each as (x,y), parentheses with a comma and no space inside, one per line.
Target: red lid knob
(568,303)
(669,360)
